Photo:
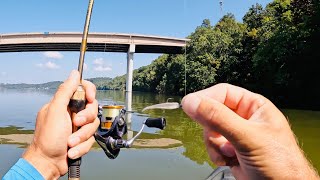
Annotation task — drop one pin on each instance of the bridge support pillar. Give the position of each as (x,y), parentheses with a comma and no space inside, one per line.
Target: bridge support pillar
(129,79)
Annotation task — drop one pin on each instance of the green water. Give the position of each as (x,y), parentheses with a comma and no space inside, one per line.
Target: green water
(187,160)
(306,125)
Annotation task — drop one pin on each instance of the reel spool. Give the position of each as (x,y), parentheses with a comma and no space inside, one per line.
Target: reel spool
(113,127)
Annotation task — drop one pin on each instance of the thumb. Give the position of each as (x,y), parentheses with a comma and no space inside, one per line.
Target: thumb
(217,117)
(67,89)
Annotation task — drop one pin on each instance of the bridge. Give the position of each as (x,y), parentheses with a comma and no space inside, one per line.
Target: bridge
(98,42)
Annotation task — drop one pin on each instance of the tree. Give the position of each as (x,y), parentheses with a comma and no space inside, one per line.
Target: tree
(273,52)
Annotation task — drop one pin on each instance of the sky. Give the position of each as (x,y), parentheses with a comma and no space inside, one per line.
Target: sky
(173,18)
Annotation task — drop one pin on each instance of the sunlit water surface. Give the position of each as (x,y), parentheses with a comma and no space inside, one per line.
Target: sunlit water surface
(187,160)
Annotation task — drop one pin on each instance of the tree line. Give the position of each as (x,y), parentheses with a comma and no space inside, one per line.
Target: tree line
(273,51)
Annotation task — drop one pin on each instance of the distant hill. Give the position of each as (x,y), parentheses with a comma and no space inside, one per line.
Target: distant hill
(102,83)
(48,85)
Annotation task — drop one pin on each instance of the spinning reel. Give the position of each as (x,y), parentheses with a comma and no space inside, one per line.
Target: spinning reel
(113,127)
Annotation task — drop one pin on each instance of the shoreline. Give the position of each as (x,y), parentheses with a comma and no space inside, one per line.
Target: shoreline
(25,139)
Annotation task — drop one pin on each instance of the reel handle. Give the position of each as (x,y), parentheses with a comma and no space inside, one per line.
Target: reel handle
(159,123)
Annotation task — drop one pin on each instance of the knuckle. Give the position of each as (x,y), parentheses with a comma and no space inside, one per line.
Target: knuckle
(85,151)
(92,111)
(43,108)
(93,87)
(89,85)
(62,87)
(278,125)
(214,114)
(84,136)
(216,157)
(89,145)
(89,134)
(260,100)
(96,122)
(61,91)
(95,102)
(223,84)
(210,114)
(92,140)
(95,107)
(92,114)
(82,133)
(89,115)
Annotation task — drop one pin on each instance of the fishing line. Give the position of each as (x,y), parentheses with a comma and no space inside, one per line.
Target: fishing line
(221,7)
(185,70)
(185,52)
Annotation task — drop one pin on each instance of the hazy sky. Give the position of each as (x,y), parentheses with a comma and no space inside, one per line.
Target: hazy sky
(174,18)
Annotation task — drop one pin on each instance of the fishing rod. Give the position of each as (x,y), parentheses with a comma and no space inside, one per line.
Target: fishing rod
(112,127)
(78,100)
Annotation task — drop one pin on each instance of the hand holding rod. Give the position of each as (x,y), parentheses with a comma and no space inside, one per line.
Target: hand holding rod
(78,100)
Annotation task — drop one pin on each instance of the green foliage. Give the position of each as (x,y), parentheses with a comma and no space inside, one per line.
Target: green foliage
(254,17)
(273,52)
(14,130)
(101,83)
(285,60)
(48,85)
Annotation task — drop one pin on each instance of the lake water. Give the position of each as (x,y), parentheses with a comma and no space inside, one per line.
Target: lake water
(187,160)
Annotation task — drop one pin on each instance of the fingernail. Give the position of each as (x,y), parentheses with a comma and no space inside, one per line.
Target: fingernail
(190,104)
(80,120)
(73,153)
(74,140)
(227,149)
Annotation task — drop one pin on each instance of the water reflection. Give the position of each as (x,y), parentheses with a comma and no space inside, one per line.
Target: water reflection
(179,126)
(20,107)
(306,125)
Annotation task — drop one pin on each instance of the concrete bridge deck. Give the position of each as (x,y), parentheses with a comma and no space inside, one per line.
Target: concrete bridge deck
(98,42)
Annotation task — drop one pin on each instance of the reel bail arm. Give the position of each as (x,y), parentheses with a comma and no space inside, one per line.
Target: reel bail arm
(159,123)
(111,141)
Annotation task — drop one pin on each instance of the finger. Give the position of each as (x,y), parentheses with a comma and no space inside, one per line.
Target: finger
(43,111)
(90,90)
(83,134)
(215,156)
(220,150)
(88,115)
(220,143)
(67,89)
(41,116)
(213,147)
(81,149)
(242,101)
(217,117)
(227,149)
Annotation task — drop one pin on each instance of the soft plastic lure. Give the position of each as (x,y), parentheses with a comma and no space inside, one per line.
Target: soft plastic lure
(167,105)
